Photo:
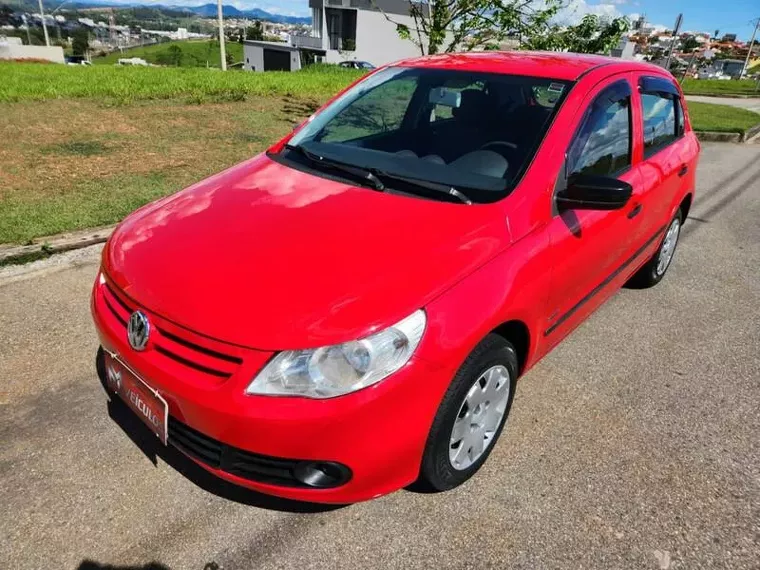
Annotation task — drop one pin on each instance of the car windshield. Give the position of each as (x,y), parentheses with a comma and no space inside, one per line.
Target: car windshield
(420,130)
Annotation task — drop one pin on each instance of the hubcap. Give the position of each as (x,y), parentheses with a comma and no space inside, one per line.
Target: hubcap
(668,247)
(479,417)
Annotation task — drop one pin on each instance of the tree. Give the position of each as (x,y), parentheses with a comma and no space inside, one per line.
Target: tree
(81,42)
(449,25)
(6,15)
(591,35)
(170,56)
(255,32)
(690,44)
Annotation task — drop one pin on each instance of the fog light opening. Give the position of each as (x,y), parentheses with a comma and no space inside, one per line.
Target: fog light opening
(322,474)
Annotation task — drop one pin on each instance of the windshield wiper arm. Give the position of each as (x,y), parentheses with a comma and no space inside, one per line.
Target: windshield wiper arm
(363,173)
(435,186)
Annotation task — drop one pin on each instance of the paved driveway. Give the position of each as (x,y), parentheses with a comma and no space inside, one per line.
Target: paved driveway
(635,444)
(753,104)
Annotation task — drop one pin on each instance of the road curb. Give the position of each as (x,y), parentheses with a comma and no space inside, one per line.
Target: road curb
(726,95)
(716,136)
(751,132)
(713,136)
(42,247)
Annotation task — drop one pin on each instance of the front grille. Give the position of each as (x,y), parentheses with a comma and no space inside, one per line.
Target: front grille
(207,360)
(244,464)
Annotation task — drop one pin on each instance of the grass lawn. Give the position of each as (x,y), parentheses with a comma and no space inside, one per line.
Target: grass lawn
(710,117)
(720,87)
(116,84)
(82,147)
(202,53)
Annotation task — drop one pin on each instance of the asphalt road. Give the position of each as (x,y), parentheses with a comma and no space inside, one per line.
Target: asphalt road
(750,103)
(635,444)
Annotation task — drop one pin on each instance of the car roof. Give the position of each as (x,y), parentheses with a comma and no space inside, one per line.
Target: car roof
(555,65)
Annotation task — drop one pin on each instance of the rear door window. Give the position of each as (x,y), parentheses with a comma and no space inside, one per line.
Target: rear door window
(659,114)
(662,113)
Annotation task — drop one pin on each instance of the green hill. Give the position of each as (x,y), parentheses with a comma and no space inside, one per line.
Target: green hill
(188,53)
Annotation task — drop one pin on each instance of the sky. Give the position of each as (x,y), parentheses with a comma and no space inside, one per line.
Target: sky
(728,16)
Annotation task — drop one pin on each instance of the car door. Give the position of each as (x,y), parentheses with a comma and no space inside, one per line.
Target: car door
(666,164)
(589,246)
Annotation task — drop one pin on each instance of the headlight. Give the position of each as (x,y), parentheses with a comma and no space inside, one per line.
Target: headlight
(336,370)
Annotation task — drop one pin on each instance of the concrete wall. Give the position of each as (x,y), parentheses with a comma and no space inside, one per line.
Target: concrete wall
(15,51)
(376,40)
(253,58)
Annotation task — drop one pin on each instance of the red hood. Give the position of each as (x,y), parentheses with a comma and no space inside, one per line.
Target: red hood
(266,256)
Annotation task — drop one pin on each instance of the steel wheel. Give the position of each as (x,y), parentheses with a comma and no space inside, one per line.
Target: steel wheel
(479,417)
(668,246)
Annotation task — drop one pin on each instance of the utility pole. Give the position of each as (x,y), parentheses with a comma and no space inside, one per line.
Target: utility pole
(221,34)
(44,26)
(749,51)
(26,25)
(688,67)
(673,43)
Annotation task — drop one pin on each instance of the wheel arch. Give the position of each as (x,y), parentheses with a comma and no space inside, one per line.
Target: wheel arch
(518,333)
(685,206)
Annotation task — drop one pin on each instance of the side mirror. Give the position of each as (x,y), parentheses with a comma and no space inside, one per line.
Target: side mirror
(589,192)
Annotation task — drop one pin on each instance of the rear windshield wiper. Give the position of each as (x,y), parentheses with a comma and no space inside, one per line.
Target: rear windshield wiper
(362,173)
(435,186)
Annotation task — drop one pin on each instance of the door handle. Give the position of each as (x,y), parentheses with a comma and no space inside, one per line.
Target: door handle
(634,212)
(683,171)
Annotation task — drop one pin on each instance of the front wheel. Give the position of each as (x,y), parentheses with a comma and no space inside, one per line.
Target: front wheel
(654,270)
(471,416)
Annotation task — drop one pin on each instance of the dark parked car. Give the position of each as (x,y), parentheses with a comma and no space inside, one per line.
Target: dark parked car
(357,64)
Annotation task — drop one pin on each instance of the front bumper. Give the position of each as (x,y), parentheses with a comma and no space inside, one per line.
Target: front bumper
(378,433)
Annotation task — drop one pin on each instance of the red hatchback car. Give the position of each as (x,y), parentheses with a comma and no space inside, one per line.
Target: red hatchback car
(348,312)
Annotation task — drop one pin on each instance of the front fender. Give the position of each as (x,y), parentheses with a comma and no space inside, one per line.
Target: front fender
(512,286)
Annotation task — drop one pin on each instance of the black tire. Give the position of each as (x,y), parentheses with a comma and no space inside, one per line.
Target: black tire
(648,275)
(437,472)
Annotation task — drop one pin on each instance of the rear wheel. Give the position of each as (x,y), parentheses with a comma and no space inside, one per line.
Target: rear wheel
(471,416)
(654,270)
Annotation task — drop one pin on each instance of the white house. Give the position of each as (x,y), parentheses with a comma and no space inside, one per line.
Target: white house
(361,30)
(12,48)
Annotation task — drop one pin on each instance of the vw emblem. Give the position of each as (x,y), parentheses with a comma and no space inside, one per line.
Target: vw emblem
(138,330)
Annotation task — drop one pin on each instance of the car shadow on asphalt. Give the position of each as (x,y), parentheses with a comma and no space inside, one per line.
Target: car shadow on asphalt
(153,449)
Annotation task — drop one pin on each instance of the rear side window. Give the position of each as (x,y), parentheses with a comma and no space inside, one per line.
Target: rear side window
(602,145)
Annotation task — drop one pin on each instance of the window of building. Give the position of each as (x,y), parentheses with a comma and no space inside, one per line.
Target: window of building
(602,145)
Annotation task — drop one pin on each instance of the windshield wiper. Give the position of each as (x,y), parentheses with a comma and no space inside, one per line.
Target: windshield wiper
(435,186)
(362,173)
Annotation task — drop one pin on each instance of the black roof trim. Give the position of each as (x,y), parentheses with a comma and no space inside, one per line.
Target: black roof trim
(590,69)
